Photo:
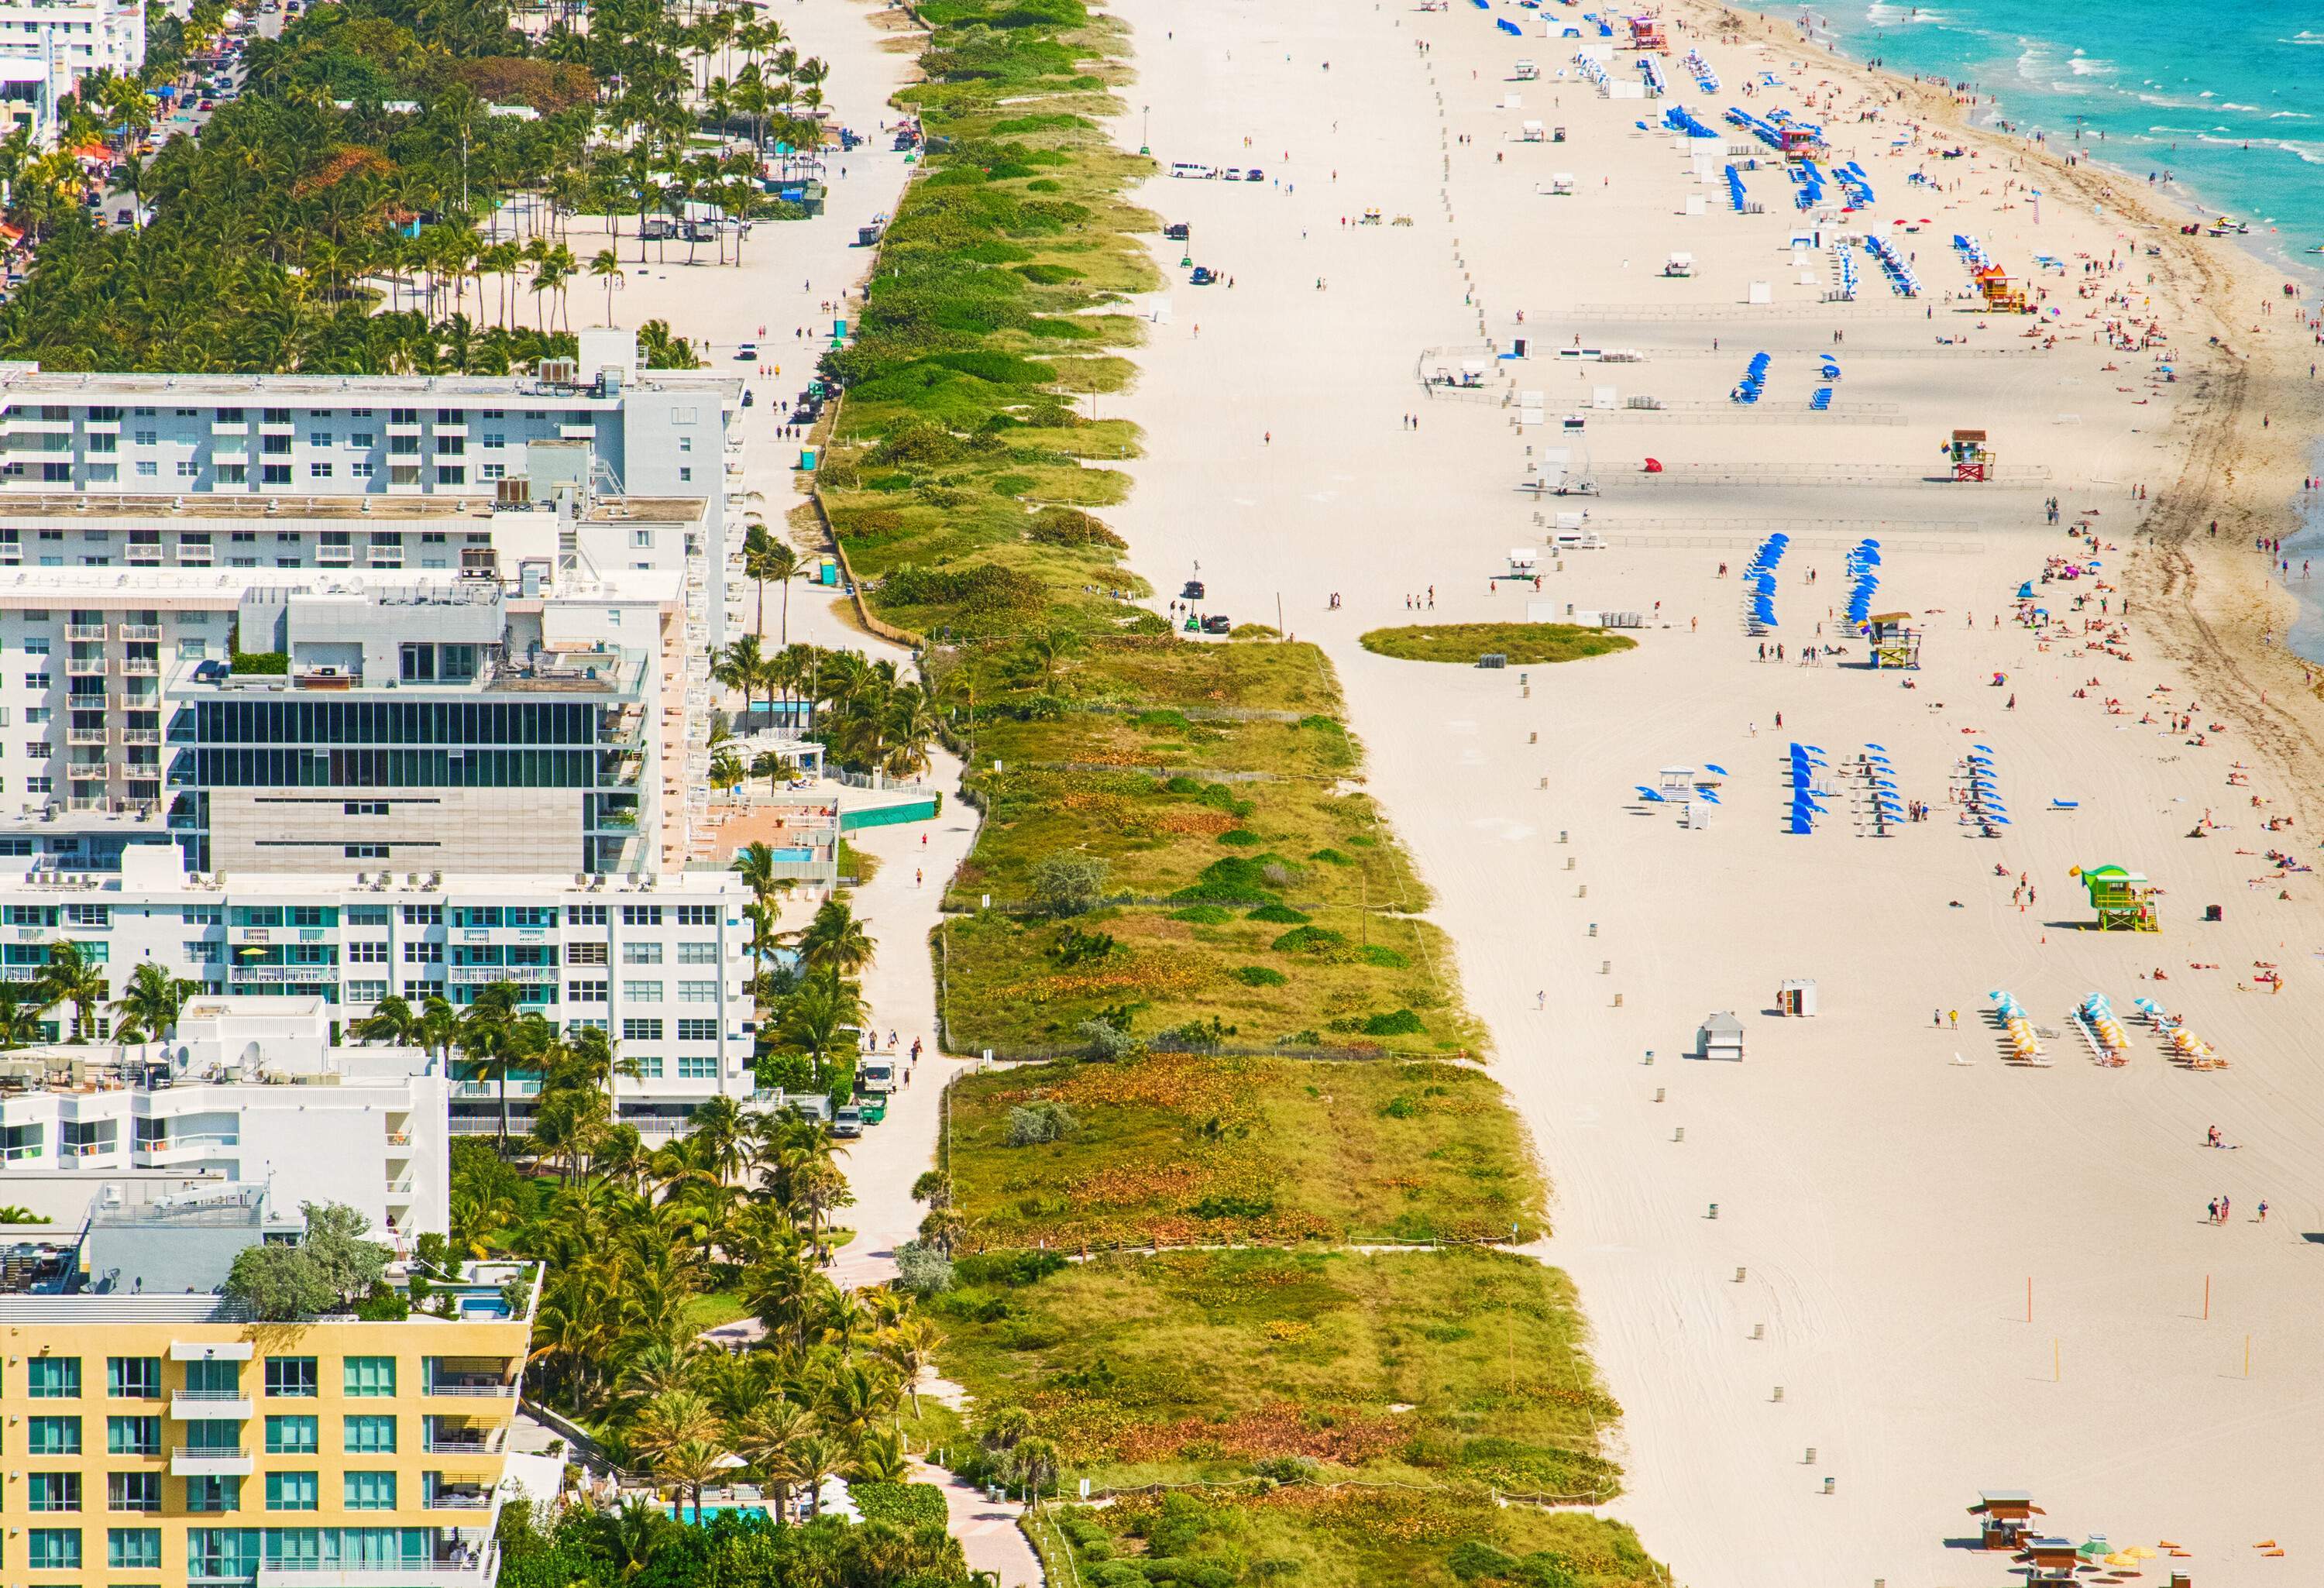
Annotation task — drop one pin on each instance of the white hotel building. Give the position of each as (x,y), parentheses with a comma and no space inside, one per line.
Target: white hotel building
(47,46)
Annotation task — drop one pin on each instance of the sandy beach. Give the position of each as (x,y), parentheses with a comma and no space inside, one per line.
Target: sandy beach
(1889,1190)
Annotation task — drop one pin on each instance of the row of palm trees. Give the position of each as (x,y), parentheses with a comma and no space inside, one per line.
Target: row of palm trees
(869,715)
(146,1012)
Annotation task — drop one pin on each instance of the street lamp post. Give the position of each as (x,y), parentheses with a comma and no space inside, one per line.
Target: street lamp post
(1145,125)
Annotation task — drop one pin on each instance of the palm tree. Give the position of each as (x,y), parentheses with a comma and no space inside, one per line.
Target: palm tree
(742,667)
(70,976)
(607,268)
(725,770)
(814,1459)
(766,557)
(911,1347)
(487,1037)
(147,1009)
(769,1439)
(836,941)
(22,1005)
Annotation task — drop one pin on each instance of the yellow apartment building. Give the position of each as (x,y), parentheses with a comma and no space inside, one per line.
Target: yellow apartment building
(154,1434)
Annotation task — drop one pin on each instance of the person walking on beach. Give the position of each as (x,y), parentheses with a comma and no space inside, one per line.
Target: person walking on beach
(1954,1016)
(2215,1211)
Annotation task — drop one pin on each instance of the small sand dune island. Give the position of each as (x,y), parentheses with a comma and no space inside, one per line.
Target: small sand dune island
(1906,953)
(1494,644)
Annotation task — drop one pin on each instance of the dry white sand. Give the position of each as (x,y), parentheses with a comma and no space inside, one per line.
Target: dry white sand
(1884,1207)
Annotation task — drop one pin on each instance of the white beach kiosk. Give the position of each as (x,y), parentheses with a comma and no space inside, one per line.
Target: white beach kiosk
(1721,1036)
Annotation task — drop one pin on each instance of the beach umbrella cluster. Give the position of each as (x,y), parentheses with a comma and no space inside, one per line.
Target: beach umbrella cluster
(1863,563)
(1892,265)
(1880,781)
(1972,252)
(1800,767)
(2112,1042)
(1679,119)
(1811,184)
(1754,379)
(2024,1043)
(1652,71)
(1984,794)
(1854,183)
(1759,581)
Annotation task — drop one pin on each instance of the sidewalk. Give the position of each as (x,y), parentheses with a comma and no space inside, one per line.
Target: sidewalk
(987,1529)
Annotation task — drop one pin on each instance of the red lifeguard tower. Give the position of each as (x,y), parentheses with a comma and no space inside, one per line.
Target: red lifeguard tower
(1972,459)
(1799,143)
(1646,33)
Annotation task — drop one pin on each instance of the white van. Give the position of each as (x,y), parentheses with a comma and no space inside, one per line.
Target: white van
(1192,171)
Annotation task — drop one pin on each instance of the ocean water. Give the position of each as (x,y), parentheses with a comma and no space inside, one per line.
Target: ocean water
(2225,98)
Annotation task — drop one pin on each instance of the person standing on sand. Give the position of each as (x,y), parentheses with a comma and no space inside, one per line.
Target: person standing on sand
(1954,1016)
(2215,1211)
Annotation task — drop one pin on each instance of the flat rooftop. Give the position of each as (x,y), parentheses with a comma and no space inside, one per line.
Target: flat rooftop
(380,513)
(27,382)
(485,888)
(51,586)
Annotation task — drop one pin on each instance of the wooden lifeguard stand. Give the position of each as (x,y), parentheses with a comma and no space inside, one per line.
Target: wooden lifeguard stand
(1972,459)
(2005,1516)
(2002,291)
(2124,901)
(1646,33)
(1893,645)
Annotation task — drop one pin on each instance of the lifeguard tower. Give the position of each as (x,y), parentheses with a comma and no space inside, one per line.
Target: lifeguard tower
(2005,1516)
(2002,292)
(1893,644)
(1646,33)
(1799,143)
(2124,901)
(1972,459)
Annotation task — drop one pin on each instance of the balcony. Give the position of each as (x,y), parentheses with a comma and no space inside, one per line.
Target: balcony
(85,667)
(80,736)
(278,974)
(136,736)
(448,1573)
(197,1406)
(85,630)
(479,976)
(141,667)
(207,1461)
(477,1496)
(469,1441)
(141,631)
(172,1149)
(237,427)
(474,1385)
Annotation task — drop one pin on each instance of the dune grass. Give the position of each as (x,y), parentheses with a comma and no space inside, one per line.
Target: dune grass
(1528,643)
(1193,1148)
(1359,1410)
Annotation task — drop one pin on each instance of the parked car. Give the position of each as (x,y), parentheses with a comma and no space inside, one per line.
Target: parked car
(1203,275)
(1218,622)
(748,353)
(1176,231)
(847,1121)
(1193,591)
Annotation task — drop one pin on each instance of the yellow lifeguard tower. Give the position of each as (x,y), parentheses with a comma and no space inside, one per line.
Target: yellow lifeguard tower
(2124,900)
(1893,645)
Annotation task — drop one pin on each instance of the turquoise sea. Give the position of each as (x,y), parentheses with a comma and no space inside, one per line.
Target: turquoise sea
(2225,98)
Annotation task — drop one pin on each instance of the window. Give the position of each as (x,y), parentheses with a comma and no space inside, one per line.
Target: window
(641,991)
(641,954)
(641,1030)
(53,1436)
(585,953)
(696,915)
(585,915)
(319,438)
(697,1030)
(291,1375)
(364,991)
(269,474)
(360,438)
(697,991)
(293,1492)
(451,476)
(362,471)
(698,954)
(148,438)
(53,1549)
(134,1378)
(423,915)
(319,471)
(642,915)
(649,1067)
(132,1436)
(368,851)
(138,1491)
(52,1491)
(228,1553)
(370,1435)
(133,1550)
(585,992)
(423,954)
(188,469)
(363,808)
(370,1491)
(370,1375)
(213,1494)
(293,1435)
(366,953)
(698,1069)
(213,1380)
(54,1377)
(366,915)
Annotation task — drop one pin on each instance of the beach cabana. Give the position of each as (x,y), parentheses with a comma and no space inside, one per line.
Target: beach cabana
(2004,1516)
(1721,1036)
(1676,779)
(1796,998)
(2049,1560)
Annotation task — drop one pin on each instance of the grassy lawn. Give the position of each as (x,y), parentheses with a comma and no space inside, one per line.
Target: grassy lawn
(1527,643)
(1187,1148)
(1451,1375)
(713,1307)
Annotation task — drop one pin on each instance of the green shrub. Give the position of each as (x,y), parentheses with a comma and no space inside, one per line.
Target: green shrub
(1282,915)
(1308,940)
(1204,915)
(1331,857)
(1259,975)
(1239,839)
(1387,958)
(904,1505)
(1071,527)
(1401,1022)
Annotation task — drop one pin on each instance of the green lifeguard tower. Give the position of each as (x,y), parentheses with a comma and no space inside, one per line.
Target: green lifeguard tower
(1893,645)
(2123,900)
